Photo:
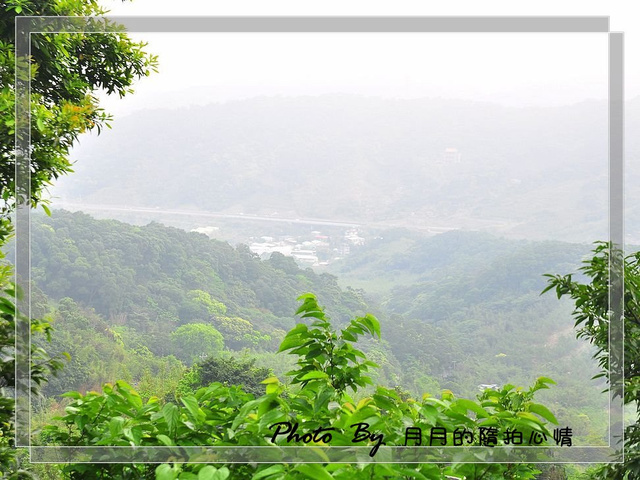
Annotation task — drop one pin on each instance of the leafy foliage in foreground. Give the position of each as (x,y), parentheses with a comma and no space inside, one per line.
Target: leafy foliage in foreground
(592,315)
(331,372)
(65,71)
(42,366)
(144,282)
(325,354)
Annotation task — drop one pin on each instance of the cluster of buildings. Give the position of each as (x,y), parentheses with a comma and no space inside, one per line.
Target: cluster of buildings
(311,250)
(451,155)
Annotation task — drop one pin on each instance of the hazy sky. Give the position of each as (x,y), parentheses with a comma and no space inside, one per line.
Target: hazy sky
(512,69)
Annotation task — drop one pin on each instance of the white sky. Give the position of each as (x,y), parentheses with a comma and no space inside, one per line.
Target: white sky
(512,69)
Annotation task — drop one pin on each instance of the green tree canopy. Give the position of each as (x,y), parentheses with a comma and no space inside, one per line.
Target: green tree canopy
(196,340)
(593,313)
(66,71)
(330,369)
(232,371)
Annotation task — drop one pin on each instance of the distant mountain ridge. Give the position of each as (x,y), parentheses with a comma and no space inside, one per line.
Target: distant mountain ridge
(525,172)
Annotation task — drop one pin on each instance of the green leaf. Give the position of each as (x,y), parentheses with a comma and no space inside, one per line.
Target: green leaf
(548,287)
(194,409)
(383,402)
(528,416)
(165,472)
(134,434)
(241,417)
(116,425)
(315,314)
(313,375)
(299,328)
(306,296)
(373,324)
(221,474)
(207,473)
(487,422)
(165,440)
(272,470)
(171,415)
(75,395)
(291,342)
(347,335)
(545,380)
(273,388)
(543,411)
(410,473)
(473,406)
(314,470)
(187,476)
(7,307)
(129,393)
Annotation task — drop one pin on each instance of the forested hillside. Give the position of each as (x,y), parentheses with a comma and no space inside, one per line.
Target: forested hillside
(457,310)
(149,334)
(142,294)
(148,273)
(468,306)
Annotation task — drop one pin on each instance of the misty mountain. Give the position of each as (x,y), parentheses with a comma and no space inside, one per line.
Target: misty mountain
(522,172)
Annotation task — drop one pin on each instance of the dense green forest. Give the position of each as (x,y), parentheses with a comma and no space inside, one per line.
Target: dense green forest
(157,292)
(175,341)
(170,311)
(329,369)
(473,296)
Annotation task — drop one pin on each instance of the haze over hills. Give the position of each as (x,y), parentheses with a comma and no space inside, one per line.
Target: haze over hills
(458,320)
(350,184)
(538,173)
